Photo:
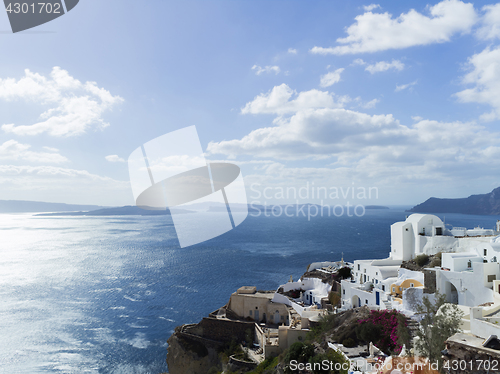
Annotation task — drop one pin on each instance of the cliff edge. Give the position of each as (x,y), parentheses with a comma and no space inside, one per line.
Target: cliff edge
(485,204)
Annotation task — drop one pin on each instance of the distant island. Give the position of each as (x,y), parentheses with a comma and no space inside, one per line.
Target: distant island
(376,207)
(485,204)
(120,211)
(24,206)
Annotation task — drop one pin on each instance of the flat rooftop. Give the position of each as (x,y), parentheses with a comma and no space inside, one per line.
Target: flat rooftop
(468,340)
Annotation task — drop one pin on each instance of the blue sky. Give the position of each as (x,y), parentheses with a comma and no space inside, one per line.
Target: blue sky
(401,96)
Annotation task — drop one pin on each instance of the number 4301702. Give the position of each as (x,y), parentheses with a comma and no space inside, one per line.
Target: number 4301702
(33,8)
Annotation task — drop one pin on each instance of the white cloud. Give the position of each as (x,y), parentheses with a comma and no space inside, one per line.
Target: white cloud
(292,51)
(279,101)
(13,150)
(330,78)
(376,149)
(485,76)
(114,158)
(358,61)
(384,66)
(314,133)
(374,32)
(369,8)
(267,69)
(51,149)
(73,107)
(490,22)
(371,104)
(405,86)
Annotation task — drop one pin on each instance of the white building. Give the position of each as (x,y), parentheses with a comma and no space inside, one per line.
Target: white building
(469,266)
(467,278)
(420,234)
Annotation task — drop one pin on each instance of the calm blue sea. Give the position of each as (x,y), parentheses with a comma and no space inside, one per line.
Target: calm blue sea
(102,295)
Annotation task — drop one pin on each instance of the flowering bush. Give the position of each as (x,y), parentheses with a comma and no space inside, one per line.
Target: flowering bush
(381,328)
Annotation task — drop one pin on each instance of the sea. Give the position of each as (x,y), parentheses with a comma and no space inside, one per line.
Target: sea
(103,294)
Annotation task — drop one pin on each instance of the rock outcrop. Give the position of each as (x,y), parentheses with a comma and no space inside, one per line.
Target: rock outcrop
(194,349)
(190,356)
(485,204)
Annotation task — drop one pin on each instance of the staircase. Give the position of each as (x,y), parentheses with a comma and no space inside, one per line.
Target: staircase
(387,304)
(413,327)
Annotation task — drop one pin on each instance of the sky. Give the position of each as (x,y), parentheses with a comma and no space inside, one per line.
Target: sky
(400,97)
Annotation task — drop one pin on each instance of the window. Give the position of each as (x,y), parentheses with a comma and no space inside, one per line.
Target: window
(368,278)
(411,285)
(376,281)
(393,289)
(282,318)
(364,270)
(383,288)
(439,231)
(359,267)
(343,291)
(376,273)
(256,307)
(366,301)
(250,312)
(407,229)
(491,278)
(485,252)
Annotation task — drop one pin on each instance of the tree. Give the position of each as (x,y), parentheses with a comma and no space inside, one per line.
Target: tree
(344,272)
(334,298)
(440,320)
(368,332)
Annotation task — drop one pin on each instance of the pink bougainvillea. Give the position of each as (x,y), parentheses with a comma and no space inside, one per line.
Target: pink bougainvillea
(388,322)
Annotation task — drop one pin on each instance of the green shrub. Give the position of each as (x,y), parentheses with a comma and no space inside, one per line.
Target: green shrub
(368,332)
(344,272)
(349,343)
(330,356)
(422,260)
(326,323)
(265,366)
(435,262)
(213,370)
(299,352)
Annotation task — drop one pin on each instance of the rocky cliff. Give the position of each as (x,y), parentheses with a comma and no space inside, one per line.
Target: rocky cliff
(189,356)
(485,204)
(194,349)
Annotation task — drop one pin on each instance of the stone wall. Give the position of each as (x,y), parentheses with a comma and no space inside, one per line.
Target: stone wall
(221,330)
(429,281)
(467,359)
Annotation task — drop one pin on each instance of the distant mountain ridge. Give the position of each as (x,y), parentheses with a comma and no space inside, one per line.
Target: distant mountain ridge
(120,211)
(485,204)
(24,206)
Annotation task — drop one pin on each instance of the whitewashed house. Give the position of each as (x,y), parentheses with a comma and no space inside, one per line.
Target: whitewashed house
(469,266)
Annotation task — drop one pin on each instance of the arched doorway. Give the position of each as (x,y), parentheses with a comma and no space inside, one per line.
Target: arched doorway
(451,293)
(356,301)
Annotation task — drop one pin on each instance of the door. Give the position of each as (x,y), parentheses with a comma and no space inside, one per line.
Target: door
(257,315)
(377,298)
